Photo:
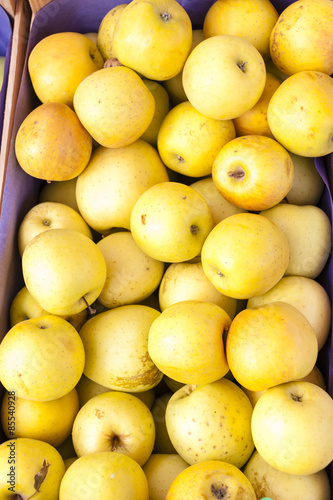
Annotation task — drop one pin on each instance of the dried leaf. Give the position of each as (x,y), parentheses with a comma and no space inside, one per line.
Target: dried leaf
(41,475)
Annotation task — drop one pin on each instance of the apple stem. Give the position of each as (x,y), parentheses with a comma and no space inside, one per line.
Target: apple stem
(241,66)
(294,397)
(165,16)
(115,441)
(180,159)
(237,174)
(90,309)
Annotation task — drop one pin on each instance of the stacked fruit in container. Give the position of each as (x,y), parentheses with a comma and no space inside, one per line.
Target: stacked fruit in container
(169,315)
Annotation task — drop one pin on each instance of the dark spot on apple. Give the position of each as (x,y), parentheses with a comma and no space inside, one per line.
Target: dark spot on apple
(219,491)
(143,219)
(194,229)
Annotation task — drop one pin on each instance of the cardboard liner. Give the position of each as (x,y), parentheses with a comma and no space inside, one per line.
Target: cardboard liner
(20,191)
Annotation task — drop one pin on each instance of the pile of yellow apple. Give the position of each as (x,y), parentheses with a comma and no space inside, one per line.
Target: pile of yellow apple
(165,343)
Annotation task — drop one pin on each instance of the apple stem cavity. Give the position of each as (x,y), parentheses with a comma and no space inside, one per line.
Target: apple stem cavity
(112,62)
(115,442)
(241,66)
(194,229)
(165,16)
(180,159)
(296,398)
(219,491)
(46,222)
(238,173)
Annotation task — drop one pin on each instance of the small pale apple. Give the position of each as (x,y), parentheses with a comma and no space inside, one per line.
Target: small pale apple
(170,221)
(296,44)
(41,359)
(121,335)
(186,341)
(303,125)
(162,107)
(113,181)
(269,345)
(288,422)
(162,31)
(132,276)
(243,256)
(211,422)
(308,185)
(114,421)
(210,480)
(60,192)
(253,172)
(49,215)
(162,443)
(38,140)
(106,29)
(188,142)
(255,120)
(2,70)
(59,62)
(49,421)
(309,233)
(268,481)
(187,281)
(219,206)
(250,19)
(160,470)
(308,296)
(64,270)
(40,475)
(224,76)
(104,475)
(114,105)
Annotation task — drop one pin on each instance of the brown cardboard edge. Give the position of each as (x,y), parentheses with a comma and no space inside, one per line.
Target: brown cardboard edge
(37,5)
(21,27)
(9,6)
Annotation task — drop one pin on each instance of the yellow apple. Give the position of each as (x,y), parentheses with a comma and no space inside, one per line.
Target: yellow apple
(49,421)
(308,185)
(219,206)
(114,421)
(303,125)
(250,19)
(174,85)
(64,270)
(59,62)
(92,35)
(243,256)
(224,76)
(49,215)
(41,359)
(253,172)
(309,233)
(255,120)
(160,470)
(170,221)
(29,468)
(162,107)
(308,296)
(66,449)
(296,44)
(211,422)
(266,480)
(114,180)
(114,105)
(153,38)
(24,306)
(52,144)
(61,192)
(288,422)
(162,443)
(271,68)
(210,480)
(120,335)
(87,389)
(187,281)
(132,276)
(186,341)
(104,475)
(188,142)
(106,29)
(269,345)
